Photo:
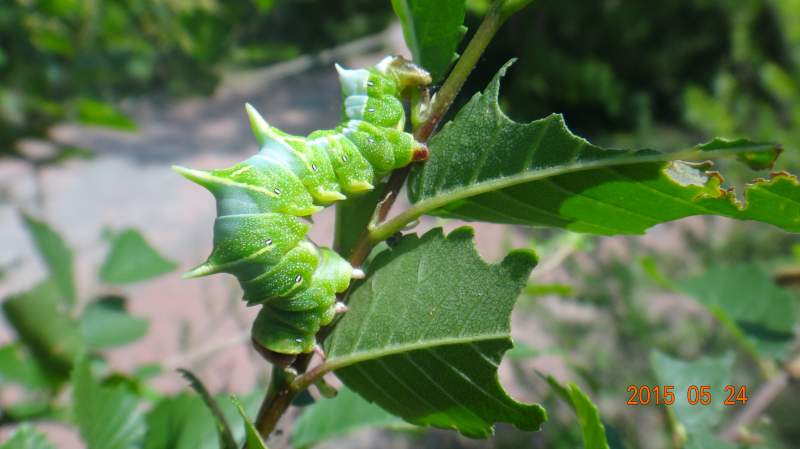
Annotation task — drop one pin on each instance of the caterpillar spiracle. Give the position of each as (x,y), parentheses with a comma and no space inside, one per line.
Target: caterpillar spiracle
(260,233)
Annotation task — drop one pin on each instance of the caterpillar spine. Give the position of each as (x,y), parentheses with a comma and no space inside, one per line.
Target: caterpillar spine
(260,230)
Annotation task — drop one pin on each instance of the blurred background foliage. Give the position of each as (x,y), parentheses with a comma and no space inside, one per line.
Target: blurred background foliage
(73,59)
(655,73)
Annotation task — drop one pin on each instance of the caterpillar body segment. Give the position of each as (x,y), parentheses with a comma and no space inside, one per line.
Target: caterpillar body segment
(260,230)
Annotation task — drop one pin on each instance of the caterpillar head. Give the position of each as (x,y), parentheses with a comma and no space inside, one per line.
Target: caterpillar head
(394,75)
(408,75)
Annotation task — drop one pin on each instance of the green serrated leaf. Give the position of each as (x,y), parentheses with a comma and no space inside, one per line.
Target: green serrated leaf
(252,438)
(106,417)
(592,428)
(181,422)
(324,421)
(746,300)
(433,30)
(98,113)
(484,166)
(132,259)
(226,440)
(106,324)
(55,254)
(714,372)
(433,332)
(51,335)
(27,437)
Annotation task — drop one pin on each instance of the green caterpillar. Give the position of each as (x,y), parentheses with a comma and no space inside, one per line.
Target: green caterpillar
(259,235)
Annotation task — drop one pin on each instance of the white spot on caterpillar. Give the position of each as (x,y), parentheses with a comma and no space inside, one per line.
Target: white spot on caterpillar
(298,279)
(268,242)
(277,191)
(314,167)
(344,158)
(371,140)
(371,110)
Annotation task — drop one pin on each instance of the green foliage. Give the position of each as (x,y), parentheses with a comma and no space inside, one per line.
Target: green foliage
(180,422)
(433,30)
(252,438)
(26,437)
(746,300)
(106,324)
(698,421)
(226,440)
(594,432)
(39,320)
(755,92)
(486,167)
(106,416)
(433,333)
(609,66)
(18,367)
(132,259)
(56,255)
(324,421)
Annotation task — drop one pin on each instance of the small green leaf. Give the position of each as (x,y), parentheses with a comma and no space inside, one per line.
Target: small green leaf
(522,351)
(325,421)
(714,372)
(180,422)
(132,259)
(26,437)
(354,213)
(484,166)
(51,335)
(433,332)
(93,112)
(226,440)
(17,367)
(105,324)
(592,428)
(549,289)
(746,300)
(106,417)
(433,30)
(55,254)
(252,438)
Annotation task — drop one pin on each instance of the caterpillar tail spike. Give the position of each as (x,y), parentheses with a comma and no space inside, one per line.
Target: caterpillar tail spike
(265,203)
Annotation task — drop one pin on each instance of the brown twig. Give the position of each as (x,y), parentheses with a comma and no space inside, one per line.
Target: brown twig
(756,405)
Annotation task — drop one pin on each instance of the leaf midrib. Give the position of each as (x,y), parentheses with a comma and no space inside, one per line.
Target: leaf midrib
(363,356)
(455,194)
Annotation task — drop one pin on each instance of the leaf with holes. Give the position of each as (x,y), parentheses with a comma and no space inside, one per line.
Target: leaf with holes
(424,335)
(484,166)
